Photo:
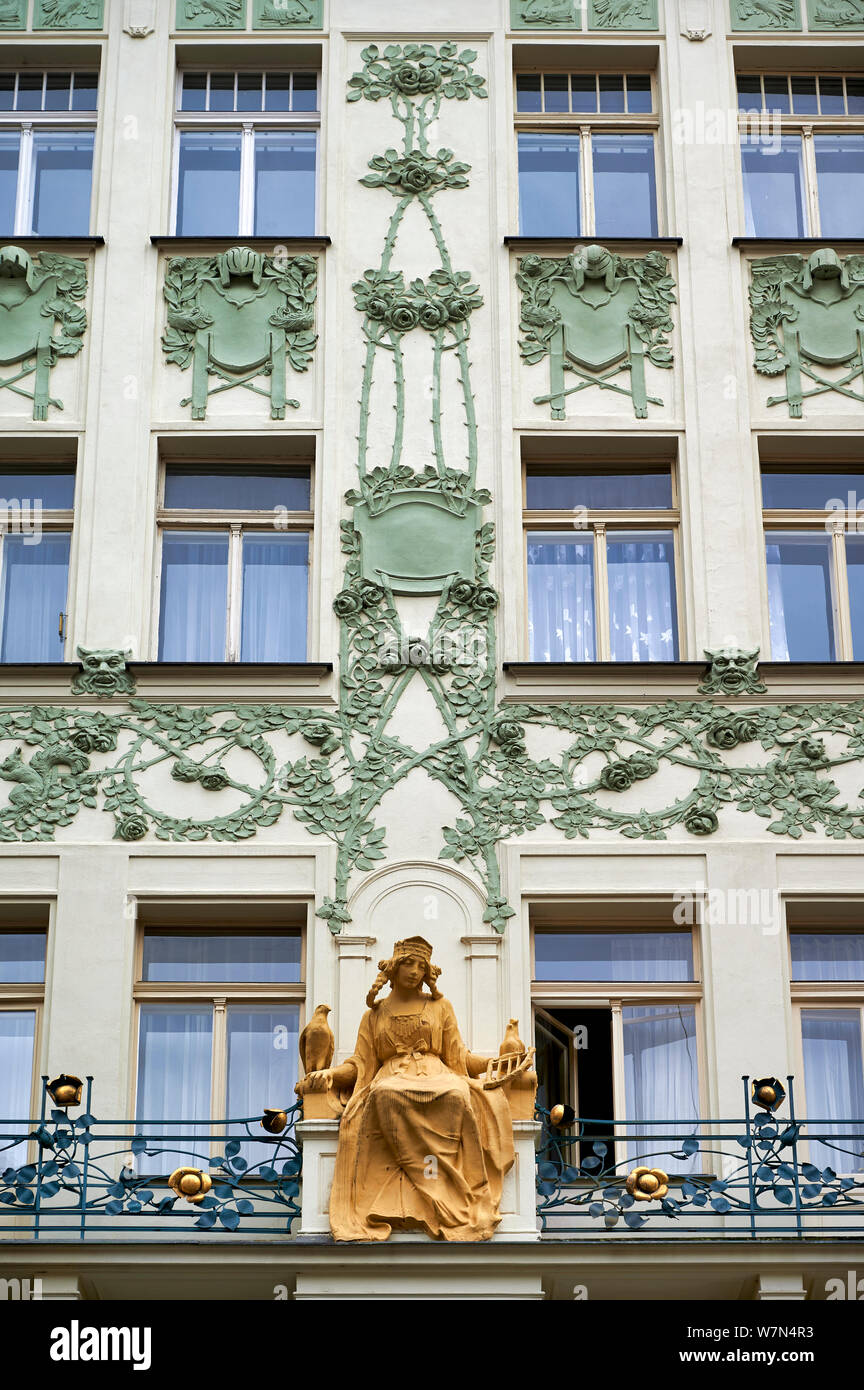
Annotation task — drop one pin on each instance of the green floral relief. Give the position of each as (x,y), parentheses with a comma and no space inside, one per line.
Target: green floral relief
(68,14)
(238,317)
(765,14)
(596,315)
(806,316)
(544,14)
(835,14)
(41,319)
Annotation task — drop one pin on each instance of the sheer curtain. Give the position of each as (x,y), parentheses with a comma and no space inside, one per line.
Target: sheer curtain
(262,1065)
(194,605)
(561,597)
(35,583)
(834,1078)
(275,597)
(17,1033)
(800,608)
(661,1083)
(175,1060)
(643,620)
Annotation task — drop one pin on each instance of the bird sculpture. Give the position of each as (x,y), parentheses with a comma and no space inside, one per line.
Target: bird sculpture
(317,1042)
(512,1041)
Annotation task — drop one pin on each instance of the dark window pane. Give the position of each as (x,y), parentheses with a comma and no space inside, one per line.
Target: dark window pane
(812,491)
(827,955)
(855,96)
(53,491)
(62,165)
(561,596)
(773,186)
(777,93)
(597,491)
(840,178)
(277,91)
(583,88)
(248,91)
(194,94)
(625,195)
(29,91)
(285,182)
(611,93)
(221,91)
(599,956)
(9,147)
(57,91)
(549,185)
(855,578)
(799,596)
(831,96)
(259,489)
(804,102)
(85,90)
(208,194)
(7,91)
(643,616)
(749,92)
(194,601)
(305,91)
(247,958)
(275,596)
(556,92)
(638,92)
(22,957)
(35,584)
(528,92)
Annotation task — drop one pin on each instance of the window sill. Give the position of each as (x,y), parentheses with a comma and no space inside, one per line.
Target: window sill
(792,243)
(668,243)
(293,243)
(279,682)
(635,681)
(30,240)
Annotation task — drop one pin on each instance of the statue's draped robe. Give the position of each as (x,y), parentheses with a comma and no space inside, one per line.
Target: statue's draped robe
(421,1144)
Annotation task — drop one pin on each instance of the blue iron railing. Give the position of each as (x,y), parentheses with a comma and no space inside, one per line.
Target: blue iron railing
(73,1176)
(748,1177)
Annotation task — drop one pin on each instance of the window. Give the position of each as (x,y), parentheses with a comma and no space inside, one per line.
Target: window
(815,562)
(802,152)
(824,966)
(601,564)
(235,563)
(47,129)
(631,1056)
(218,1026)
(36,510)
(22,977)
(586,152)
(246,153)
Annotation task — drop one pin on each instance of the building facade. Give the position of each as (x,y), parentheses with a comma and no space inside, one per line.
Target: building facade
(431,449)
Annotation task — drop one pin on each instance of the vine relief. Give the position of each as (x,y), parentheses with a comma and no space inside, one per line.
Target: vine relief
(806,319)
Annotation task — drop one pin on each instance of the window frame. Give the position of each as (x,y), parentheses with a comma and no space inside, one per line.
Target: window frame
(24,122)
(827,523)
(583,124)
(807,126)
(598,522)
(245,123)
(28,996)
(236,522)
(57,520)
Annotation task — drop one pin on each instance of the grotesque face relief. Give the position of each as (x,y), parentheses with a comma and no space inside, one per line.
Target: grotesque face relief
(732,672)
(104,673)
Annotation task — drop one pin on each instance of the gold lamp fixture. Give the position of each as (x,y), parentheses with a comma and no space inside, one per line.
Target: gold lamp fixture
(65,1090)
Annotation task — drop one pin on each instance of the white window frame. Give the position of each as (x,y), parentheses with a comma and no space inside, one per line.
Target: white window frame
(61,520)
(28,997)
(246,124)
(25,123)
(806,126)
(585,124)
(597,524)
(236,523)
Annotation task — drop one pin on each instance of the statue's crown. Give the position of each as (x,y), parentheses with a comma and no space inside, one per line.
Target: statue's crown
(412,946)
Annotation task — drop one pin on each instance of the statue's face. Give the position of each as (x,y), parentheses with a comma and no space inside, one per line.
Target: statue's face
(410,973)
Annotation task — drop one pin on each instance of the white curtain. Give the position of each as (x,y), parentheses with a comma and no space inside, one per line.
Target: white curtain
(834,1078)
(194,604)
(247,958)
(661,1083)
(175,1053)
(275,597)
(776,609)
(17,1032)
(262,1065)
(590,957)
(561,597)
(643,621)
(35,583)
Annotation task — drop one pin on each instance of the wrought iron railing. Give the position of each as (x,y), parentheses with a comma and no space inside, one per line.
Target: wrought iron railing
(70,1175)
(747,1177)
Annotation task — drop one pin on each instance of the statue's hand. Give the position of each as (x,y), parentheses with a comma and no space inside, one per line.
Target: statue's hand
(315,1081)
